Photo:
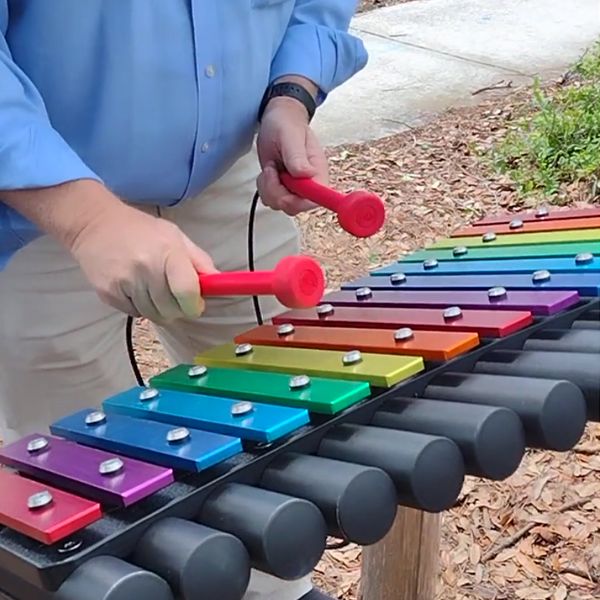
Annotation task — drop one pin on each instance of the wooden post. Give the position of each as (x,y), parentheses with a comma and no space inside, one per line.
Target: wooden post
(405,564)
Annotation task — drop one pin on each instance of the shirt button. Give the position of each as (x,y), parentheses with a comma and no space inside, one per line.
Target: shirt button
(204,147)
(210,71)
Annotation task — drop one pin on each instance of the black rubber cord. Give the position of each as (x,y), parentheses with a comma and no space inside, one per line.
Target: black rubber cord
(251,219)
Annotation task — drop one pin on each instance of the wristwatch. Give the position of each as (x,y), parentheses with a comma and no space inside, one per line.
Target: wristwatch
(291,90)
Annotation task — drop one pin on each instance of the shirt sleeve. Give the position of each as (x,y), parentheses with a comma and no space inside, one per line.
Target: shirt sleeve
(317,44)
(32,153)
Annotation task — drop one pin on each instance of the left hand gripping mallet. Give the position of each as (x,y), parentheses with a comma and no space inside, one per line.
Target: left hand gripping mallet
(296,281)
(360,213)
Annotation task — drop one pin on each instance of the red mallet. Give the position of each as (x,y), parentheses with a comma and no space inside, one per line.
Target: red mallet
(360,213)
(296,281)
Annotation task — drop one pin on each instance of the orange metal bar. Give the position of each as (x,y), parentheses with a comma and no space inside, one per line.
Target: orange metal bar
(431,345)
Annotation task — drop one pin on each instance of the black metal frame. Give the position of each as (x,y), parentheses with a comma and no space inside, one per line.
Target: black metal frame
(35,566)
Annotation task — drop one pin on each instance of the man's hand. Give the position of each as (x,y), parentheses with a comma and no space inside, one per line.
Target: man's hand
(137,263)
(286,142)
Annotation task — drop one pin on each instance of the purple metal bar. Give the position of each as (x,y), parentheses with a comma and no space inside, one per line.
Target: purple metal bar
(538,302)
(96,474)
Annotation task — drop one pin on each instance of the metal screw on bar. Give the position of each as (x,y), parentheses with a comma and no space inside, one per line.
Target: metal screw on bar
(324,309)
(453,312)
(243,349)
(179,434)
(148,394)
(69,546)
(37,445)
(403,334)
(111,466)
(460,251)
(490,236)
(541,276)
(286,329)
(299,381)
(197,371)
(95,418)
(497,292)
(241,408)
(585,258)
(364,292)
(516,224)
(39,500)
(352,357)
(542,212)
(397,278)
(430,263)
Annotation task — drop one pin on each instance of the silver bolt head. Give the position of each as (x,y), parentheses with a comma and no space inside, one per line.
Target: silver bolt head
(397,278)
(403,334)
(111,466)
(542,212)
(585,258)
(497,292)
(453,312)
(286,329)
(178,434)
(352,357)
(197,371)
(430,263)
(364,292)
(516,224)
(95,418)
(37,444)
(490,236)
(324,309)
(540,276)
(299,382)
(241,408)
(39,500)
(243,349)
(460,251)
(148,394)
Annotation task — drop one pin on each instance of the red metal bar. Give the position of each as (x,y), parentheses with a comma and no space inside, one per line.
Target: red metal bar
(64,514)
(360,213)
(535,215)
(296,281)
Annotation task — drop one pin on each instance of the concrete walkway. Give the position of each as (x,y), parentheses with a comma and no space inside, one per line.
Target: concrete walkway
(428,55)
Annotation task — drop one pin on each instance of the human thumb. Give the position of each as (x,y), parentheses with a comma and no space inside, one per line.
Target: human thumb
(201,261)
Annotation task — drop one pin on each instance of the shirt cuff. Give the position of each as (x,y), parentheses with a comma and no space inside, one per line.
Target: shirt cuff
(327,57)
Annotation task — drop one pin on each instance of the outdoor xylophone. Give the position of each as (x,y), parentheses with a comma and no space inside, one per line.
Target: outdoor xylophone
(386,393)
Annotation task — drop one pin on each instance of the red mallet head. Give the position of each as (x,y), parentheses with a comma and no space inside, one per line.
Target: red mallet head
(298,282)
(362,214)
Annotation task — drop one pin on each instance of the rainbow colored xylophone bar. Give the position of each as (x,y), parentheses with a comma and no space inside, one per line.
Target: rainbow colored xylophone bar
(450,361)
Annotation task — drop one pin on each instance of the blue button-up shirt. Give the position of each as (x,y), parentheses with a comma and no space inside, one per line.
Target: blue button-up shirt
(155,98)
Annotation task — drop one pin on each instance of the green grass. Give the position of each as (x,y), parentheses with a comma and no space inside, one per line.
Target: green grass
(558,141)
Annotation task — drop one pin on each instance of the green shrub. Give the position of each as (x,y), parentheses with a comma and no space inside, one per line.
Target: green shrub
(558,141)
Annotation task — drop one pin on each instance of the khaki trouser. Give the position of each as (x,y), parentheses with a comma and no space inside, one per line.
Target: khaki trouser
(62,350)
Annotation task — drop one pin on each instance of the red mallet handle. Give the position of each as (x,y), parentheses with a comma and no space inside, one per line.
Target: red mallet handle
(360,213)
(296,281)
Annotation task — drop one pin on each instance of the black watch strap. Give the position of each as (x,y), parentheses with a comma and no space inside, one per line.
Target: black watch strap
(291,90)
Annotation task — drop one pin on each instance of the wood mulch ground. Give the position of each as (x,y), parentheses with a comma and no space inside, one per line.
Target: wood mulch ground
(536,535)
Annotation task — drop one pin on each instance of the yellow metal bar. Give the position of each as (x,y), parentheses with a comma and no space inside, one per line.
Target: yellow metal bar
(381,370)
(519,239)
